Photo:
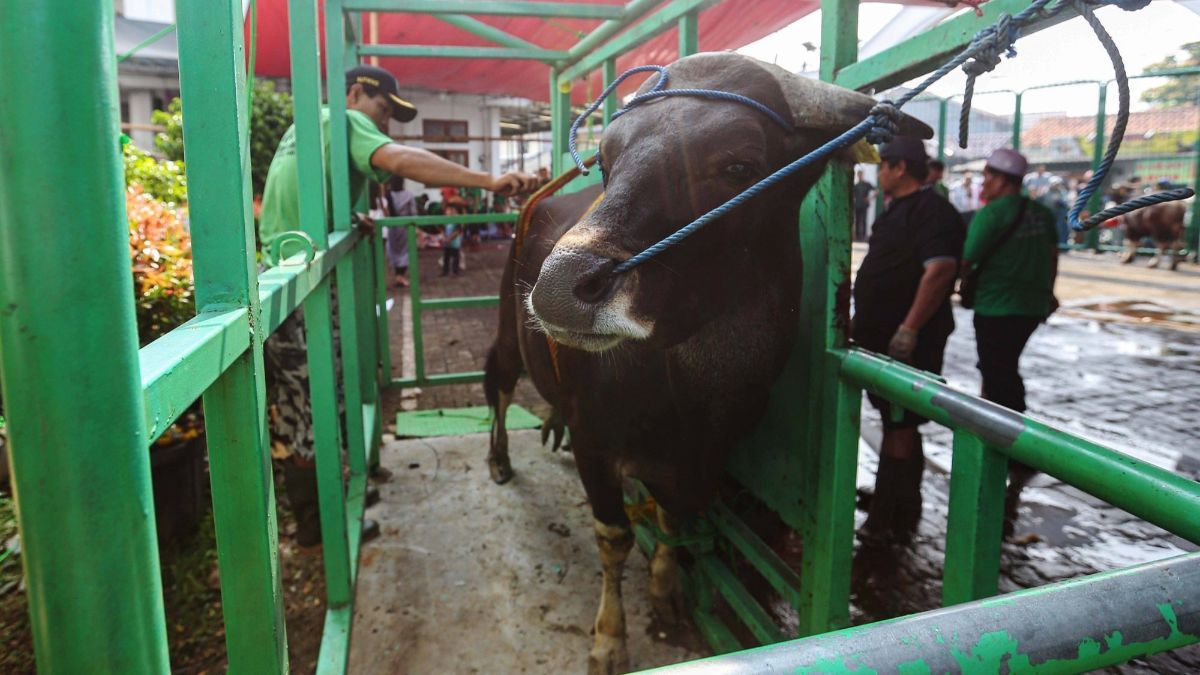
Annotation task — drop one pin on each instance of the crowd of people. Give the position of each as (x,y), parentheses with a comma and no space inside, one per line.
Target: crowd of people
(1006,262)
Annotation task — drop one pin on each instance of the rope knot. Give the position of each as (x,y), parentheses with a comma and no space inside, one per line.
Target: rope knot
(990,43)
(885,123)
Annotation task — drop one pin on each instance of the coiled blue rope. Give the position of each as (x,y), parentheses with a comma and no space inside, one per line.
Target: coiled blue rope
(881,124)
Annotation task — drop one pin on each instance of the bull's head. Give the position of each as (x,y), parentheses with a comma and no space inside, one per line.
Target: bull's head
(669,161)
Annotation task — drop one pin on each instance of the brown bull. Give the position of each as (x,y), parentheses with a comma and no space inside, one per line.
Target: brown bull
(1161,222)
(659,371)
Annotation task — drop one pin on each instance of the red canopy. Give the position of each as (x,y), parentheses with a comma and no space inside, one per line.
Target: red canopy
(728,25)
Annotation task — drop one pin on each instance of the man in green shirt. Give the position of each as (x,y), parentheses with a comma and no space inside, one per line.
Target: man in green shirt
(371,100)
(1015,290)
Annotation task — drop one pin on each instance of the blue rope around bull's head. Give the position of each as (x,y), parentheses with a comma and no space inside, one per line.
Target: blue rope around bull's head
(881,123)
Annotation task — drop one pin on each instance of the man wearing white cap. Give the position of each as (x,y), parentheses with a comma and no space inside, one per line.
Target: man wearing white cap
(1011,256)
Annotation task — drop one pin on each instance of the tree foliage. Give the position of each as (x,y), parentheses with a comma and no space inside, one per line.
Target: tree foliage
(163,180)
(270,117)
(1177,91)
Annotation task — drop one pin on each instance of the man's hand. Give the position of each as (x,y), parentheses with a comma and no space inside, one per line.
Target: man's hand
(364,224)
(902,344)
(513,183)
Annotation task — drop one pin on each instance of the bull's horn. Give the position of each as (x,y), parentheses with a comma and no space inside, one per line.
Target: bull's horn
(831,109)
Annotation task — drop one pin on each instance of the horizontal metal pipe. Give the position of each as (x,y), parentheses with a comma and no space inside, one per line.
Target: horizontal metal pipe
(483,30)
(469,377)
(283,288)
(1069,627)
(465,302)
(420,221)
(661,21)
(441,52)
(179,366)
(488,7)
(1157,495)
(633,11)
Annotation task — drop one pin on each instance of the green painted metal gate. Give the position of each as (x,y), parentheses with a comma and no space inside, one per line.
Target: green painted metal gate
(84,403)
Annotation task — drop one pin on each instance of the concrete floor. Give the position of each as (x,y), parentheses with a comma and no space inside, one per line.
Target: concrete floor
(469,576)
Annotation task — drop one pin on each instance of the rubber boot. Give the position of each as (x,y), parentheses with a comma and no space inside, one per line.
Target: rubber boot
(895,509)
(301,485)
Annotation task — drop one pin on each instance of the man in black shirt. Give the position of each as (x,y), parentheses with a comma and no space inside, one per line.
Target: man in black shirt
(902,308)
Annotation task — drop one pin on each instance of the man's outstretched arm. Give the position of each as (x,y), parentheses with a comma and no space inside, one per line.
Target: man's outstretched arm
(425,167)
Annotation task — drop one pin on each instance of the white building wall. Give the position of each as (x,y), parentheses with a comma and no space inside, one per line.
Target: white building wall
(482,118)
(162,11)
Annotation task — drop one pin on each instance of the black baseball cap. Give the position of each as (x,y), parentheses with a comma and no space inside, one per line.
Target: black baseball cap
(908,148)
(402,111)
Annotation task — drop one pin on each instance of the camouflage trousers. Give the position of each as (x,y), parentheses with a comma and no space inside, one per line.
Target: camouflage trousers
(285,355)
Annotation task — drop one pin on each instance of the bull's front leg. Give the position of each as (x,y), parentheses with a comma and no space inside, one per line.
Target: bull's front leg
(1130,253)
(609,655)
(666,595)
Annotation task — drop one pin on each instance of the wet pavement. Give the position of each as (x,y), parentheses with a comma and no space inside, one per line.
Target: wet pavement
(1120,365)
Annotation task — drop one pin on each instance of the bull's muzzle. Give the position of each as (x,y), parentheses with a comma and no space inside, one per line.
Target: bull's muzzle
(579,302)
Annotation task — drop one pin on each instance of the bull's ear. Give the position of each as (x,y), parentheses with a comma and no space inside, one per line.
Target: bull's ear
(829,109)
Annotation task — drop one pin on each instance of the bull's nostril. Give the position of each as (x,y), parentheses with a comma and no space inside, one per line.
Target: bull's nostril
(595,286)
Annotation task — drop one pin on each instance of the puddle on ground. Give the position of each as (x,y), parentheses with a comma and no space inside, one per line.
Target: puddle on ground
(1137,311)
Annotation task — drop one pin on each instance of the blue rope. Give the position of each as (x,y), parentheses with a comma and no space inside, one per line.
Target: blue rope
(983,54)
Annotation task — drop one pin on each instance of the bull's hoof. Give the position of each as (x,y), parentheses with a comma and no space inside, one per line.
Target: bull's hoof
(1153,263)
(1126,259)
(608,656)
(670,607)
(554,426)
(1174,264)
(501,469)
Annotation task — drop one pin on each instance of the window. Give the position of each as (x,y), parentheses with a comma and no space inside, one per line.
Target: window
(453,131)
(456,156)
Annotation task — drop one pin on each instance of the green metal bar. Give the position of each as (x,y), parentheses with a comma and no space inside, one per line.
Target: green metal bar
(1192,233)
(282,289)
(414,302)
(382,333)
(1149,492)
(146,43)
(739,599)
(973,530)
(68,351)
(661,21)
(1073,626)
(1096,202)
(560,10)
(368,354)
(560,122)
(830,407)
(178,367)
(772,568)
(446,52)
(335,85)
(335,640)
(212,86)
(469,377)
(461,303)
(1016,132)
(610,103)
(943,104)
(925,52)
(318,309)
(689,34)
(633,11)
(485,31)
(419,221)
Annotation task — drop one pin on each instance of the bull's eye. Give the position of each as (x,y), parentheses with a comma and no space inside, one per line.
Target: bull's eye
(738,172)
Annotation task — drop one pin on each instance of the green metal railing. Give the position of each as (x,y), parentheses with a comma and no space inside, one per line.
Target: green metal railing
(79,426)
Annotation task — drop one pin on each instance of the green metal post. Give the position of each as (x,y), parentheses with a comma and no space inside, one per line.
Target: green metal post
(77,439)
(973,528)
(560,121)
(414,303)
(212,86)
(689,34)
(943,105)
(1016,131)
(337,53)
(1092,238)
(1192,235)
(610,103)
(318,314)
(830,411)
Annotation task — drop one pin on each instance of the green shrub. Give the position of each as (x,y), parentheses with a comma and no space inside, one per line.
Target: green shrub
(163,180)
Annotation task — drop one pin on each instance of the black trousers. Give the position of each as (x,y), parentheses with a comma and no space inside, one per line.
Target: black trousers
(1000,341)
(860,223)
(450,260)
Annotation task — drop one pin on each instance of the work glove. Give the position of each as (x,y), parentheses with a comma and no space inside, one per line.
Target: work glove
(902,344)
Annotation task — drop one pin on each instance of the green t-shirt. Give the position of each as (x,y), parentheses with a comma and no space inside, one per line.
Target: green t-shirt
(1016,280)
(281,196)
